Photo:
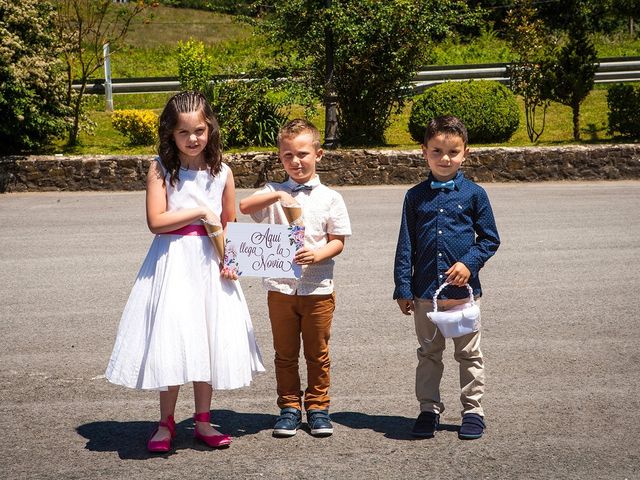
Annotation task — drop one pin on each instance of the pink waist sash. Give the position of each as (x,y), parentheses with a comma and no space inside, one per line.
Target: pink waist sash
(198,230)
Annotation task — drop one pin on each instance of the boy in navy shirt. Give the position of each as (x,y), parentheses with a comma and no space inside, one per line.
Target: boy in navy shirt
(447,234)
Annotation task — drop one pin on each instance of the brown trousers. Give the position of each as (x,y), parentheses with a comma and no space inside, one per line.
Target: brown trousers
(309,317)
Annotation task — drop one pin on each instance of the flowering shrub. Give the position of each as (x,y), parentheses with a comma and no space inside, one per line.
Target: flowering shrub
(139,126)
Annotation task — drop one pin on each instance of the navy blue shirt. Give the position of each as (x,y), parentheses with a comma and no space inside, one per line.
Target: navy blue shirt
(439,228)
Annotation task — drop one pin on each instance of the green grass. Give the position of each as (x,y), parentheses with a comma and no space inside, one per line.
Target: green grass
(151,44)
(489,48)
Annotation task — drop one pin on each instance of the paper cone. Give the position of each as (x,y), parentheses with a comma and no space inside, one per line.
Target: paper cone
(293,214)
(216,235)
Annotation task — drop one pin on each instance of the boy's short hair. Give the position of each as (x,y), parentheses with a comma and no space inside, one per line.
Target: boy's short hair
(447,125)
(297,126)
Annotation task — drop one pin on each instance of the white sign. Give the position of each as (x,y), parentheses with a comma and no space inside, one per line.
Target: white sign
(263,250)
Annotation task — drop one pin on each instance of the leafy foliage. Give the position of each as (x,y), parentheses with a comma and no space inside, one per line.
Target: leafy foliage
(624,110)
(377,48)
(32,85)
(248,112)
(139,126)
(195,67)
(488,109)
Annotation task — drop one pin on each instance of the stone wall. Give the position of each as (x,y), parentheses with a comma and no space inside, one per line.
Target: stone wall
(343,167)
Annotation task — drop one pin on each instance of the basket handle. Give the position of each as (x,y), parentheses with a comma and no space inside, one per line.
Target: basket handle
(443,286)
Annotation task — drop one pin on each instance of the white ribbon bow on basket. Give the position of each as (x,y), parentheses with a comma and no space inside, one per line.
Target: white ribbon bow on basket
(457,321)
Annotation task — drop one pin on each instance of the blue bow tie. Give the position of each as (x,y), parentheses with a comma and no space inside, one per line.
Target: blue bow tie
(449,185)
(297,188)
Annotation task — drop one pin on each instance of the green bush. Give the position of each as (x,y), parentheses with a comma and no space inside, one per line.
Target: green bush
(248,112)
(624,110)
(139,126)
(195,67)
(488,109)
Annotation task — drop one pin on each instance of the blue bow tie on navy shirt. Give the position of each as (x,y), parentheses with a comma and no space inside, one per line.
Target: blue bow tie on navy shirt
(448,185)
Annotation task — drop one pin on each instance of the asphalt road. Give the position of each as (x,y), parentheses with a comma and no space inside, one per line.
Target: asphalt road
(561,336)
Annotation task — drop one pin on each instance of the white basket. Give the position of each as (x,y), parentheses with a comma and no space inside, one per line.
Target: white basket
(459,320)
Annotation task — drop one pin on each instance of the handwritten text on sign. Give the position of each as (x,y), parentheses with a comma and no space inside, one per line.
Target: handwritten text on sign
(260,250)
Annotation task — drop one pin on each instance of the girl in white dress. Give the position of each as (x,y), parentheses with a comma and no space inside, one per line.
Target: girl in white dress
(186,319)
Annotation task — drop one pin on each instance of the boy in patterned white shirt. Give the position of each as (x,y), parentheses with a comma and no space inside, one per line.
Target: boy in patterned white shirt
(303,307)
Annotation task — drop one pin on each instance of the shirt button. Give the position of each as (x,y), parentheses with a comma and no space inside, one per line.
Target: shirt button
(441,210)
(440,276)
(439,254)
(439,232)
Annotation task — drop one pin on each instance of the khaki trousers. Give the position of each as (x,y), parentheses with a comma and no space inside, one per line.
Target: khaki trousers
(309,317)
(430,367)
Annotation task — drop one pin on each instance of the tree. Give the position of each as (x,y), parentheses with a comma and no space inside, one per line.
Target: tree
(528,38)
(378,46)
(630,9)
(572,72)
(84,26)
(32,86)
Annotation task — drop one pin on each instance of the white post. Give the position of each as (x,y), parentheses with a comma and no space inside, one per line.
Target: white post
(107,78)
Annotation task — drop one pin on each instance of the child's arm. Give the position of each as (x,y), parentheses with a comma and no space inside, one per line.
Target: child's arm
(258,201)
(403,265)
(334,247)
(486,243)
(158,219)
(228,213)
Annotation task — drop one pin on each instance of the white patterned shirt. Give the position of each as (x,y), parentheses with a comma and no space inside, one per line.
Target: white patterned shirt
(323,212)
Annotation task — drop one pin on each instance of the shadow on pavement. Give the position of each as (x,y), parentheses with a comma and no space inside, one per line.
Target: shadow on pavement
(394,427)
(129,439)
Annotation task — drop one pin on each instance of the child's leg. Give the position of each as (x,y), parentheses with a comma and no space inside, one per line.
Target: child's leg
(469,356)
(202,393)
(285,327)
(430,366)
(168,401)
(317,315)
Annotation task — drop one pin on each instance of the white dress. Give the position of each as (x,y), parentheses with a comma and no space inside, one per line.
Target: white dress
(183,322)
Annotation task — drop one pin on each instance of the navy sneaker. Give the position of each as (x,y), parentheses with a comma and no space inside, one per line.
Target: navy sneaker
(319,423)
(426,425)
(472,426)
(288,422)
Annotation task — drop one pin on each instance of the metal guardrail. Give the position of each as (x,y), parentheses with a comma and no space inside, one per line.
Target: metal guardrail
(610,70)
(624,69)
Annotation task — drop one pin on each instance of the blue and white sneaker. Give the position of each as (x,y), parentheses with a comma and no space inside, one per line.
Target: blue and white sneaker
(288,423)
(319,423)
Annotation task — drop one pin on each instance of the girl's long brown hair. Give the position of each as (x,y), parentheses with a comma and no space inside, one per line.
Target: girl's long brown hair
(187,102)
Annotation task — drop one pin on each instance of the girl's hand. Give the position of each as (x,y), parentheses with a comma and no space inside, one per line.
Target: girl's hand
(406,305)
(305,256)
(458,274)
(229,274)
(209,216)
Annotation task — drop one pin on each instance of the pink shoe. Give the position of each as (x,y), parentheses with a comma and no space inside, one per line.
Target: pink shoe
(214,441)
(162,446)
